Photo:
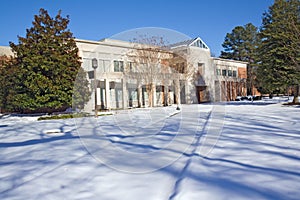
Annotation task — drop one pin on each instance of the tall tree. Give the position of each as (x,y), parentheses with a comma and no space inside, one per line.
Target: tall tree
(157,64)
(241,44)
(148,55)
(46,65)
(3,81)
(279,52)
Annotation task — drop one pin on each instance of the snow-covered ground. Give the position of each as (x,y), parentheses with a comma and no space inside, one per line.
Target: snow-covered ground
(241,150)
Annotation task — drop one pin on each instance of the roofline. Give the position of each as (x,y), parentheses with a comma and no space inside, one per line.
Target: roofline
(110,42)
(191,41)
(198,38)
(122,44)
(231,60)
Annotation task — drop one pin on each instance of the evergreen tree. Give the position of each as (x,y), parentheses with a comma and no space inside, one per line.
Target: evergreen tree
(3,81)
(81,91)
(47,63)
(241,44)
(279,52)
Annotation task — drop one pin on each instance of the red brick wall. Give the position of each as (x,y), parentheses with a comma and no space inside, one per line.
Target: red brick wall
(242,72)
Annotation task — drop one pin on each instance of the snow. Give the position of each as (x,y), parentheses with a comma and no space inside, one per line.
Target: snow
(238,150)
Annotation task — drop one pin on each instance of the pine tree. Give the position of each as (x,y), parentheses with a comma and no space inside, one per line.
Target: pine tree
(279,52)
(47,63)
(241,44)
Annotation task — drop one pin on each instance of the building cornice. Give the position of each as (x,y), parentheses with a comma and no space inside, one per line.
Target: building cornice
(230,60)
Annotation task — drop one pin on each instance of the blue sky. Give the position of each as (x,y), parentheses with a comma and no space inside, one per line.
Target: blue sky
(96,19)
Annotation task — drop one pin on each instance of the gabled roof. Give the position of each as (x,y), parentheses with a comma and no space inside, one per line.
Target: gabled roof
(196,42)
(182,43)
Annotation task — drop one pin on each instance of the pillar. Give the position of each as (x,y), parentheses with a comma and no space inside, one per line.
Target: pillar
(107,95)
(153,94)
(166,95)
(177,91)
(139,94)
(124,94)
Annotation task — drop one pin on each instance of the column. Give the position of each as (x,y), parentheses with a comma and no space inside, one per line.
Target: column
(230,91)
(166,94)
(177,91)
(107,95)
(139,94)
(124,94)
(153,94)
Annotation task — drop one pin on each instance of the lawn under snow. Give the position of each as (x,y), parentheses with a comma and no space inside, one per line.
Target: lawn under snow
(241,150)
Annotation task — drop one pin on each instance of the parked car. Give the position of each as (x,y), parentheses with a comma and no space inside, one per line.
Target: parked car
(241,98)
(248,98)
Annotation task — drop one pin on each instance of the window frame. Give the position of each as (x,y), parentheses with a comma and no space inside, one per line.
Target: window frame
(118,66)
(224,70)
(234,73)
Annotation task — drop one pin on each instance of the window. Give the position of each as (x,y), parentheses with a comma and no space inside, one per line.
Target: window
(87,64)
(234,73)
(118,66)
(104,65)
(180,68)
(200,44)
(142,67)
(132,66)
(229,72)
(90,74)
(218,71)
(224,72)
(200,68)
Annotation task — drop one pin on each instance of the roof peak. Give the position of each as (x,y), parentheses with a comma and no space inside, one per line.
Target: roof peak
(197,42)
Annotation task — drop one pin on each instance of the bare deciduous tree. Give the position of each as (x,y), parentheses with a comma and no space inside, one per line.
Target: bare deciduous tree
(156,64)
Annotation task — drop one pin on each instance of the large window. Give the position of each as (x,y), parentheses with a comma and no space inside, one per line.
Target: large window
(104,65)
(87,64)
(200,68)
(224,72)
(229,72)
(118,66)
(234,73)
(132,66)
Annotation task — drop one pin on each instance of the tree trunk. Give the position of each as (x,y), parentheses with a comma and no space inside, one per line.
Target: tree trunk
(165,92)
(296,94)
(150,94)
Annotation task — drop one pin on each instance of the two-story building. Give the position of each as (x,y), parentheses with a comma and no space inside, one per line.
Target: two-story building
(195,77)
(128,75)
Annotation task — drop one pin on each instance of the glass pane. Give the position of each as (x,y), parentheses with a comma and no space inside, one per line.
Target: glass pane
(107,66)
(224,72)
(87,64)
(121,64)
(116,66)
(101,65)
(234,73)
